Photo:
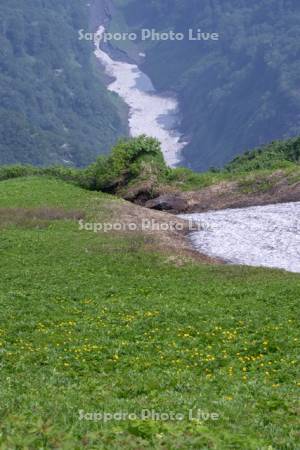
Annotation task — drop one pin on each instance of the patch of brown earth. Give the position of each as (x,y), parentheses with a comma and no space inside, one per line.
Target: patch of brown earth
(243,194)
(36,217)
(275,188)
(159,231)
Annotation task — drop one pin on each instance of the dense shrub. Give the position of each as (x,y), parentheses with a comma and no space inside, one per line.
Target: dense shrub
(129,160)
(7,172)
(72,175)
(278,154)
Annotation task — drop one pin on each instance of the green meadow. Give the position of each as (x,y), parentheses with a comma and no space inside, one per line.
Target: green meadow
(97,322)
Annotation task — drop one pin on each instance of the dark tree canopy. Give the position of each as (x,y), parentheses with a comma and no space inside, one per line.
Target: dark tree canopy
(53,107)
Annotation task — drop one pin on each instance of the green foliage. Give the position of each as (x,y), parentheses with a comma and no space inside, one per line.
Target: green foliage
(186,179)
(54,109)
(7,172)
(128,160)
(140,159)
(252,169)
(63,173)
(277,155)
(90,322)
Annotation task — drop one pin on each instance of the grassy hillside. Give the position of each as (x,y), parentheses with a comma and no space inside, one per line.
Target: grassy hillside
(276,155)
(97,322)
(54,108)
(281,157)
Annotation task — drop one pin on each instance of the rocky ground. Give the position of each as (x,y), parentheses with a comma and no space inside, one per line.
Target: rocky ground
(275,188)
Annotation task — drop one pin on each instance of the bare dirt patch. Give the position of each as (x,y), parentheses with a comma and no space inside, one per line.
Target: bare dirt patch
(276,188)
(257,190)
(36,217)
(172,242)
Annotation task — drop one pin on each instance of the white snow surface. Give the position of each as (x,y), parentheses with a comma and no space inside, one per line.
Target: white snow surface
(146,108)
(257,236)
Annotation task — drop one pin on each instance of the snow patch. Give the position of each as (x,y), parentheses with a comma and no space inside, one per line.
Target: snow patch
(266,236)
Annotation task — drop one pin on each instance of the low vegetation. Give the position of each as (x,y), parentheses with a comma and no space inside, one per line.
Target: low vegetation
(277,155)
(138,160)
(91,322)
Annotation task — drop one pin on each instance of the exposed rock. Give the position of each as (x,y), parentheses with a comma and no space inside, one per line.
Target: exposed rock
(240,195)
(141,192)
(278,187)
(173,203)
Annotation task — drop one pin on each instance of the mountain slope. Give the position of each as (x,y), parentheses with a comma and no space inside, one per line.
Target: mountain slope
(53,106)
(236,93)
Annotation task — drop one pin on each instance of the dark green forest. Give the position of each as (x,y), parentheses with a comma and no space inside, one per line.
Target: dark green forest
(53,106)
(236,93)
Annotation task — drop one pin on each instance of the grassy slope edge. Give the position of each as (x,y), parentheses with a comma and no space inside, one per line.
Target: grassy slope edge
(92,322)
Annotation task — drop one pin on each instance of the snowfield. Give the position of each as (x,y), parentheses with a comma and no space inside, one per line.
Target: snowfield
(257,236)
(149,112)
